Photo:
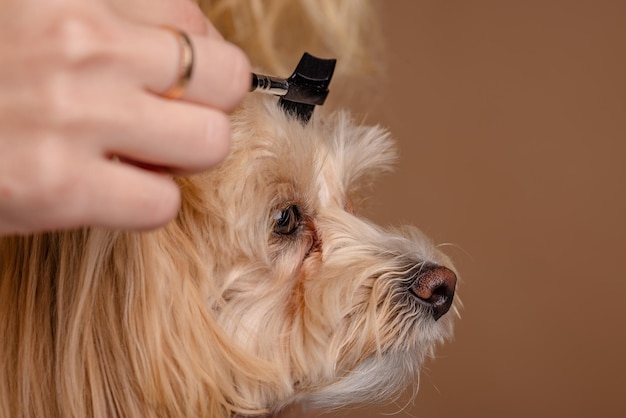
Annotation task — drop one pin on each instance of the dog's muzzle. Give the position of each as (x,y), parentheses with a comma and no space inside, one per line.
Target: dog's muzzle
(434,288)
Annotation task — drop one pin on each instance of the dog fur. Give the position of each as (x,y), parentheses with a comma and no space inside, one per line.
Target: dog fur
(218,314)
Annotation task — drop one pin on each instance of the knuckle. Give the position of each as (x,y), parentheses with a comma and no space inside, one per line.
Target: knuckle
(77,40)
(70,111)
(59,103)
(50,176)
(41,183)
(74,50)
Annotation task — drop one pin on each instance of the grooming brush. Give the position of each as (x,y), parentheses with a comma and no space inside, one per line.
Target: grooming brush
(303,90)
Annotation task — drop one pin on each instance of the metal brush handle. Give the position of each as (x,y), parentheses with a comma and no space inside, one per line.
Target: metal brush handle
(270,85)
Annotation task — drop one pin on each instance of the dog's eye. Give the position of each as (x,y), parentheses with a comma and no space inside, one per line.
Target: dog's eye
(286,221)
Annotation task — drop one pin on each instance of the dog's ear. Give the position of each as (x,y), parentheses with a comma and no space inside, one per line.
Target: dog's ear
(368,152)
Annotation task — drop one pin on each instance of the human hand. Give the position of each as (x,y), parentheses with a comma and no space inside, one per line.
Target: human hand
(85,137)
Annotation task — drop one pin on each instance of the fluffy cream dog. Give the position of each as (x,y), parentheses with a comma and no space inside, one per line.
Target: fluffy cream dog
(267,289)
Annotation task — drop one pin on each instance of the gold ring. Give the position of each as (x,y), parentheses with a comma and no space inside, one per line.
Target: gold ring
(185,67)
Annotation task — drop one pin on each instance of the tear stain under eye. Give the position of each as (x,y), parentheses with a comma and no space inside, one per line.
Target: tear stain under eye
(308,265)
(312,235)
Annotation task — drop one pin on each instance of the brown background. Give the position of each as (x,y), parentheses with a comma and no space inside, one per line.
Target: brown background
(511,121)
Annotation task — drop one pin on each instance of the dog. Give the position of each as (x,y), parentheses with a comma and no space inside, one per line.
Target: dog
(268,289)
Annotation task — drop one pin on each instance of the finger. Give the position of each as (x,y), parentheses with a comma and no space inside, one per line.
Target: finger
(116,195)
(99,193)
(220,76)
(183,14)
(176,136)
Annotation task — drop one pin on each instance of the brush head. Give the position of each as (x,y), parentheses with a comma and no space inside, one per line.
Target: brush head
(308,86)
(303,90)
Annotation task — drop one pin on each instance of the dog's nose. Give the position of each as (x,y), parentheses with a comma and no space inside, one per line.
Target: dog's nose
(434,287)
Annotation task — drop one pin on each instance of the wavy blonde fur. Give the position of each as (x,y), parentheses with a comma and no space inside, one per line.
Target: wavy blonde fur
(216,315)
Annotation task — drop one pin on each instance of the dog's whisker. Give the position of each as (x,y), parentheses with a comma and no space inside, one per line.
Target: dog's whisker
(458,247)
